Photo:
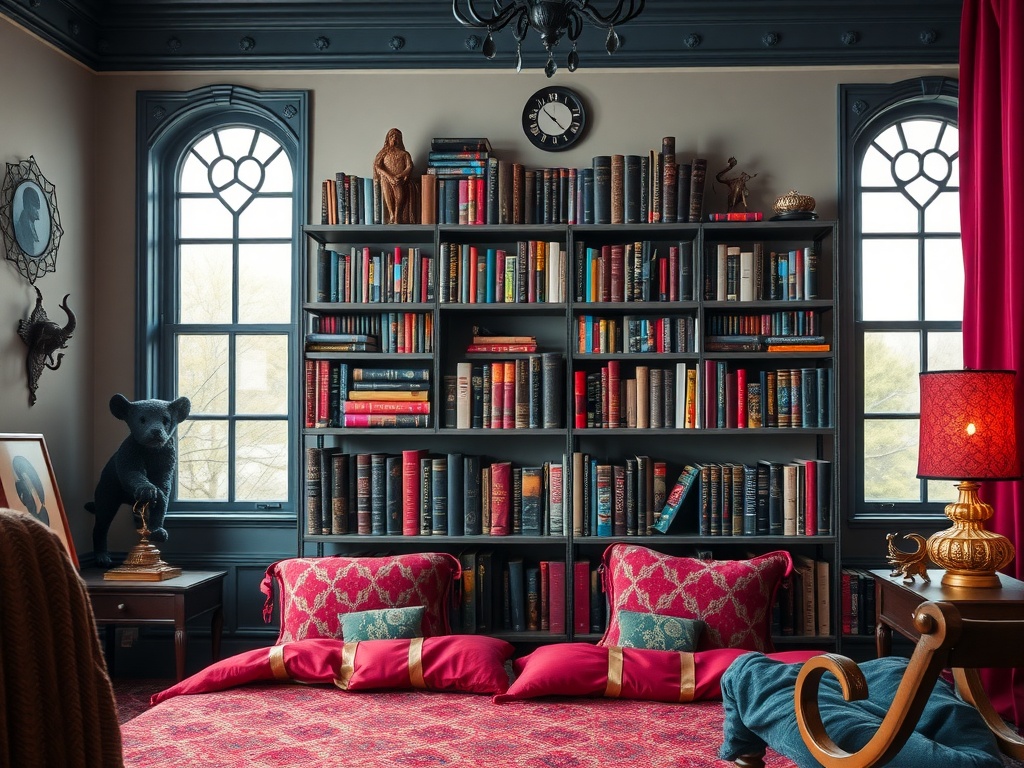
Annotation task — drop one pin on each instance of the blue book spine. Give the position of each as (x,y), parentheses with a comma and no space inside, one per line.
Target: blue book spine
(490,295)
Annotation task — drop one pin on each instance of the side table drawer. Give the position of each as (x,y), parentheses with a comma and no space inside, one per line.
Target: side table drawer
(136,607)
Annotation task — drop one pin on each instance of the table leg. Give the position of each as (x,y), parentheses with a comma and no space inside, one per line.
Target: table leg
(883,639)
(969,685)
(180,647)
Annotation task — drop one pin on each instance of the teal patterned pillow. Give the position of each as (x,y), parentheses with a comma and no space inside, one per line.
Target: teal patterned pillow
(383,624)
(657,632)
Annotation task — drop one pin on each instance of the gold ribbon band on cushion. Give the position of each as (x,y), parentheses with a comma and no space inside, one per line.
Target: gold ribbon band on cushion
(277,666)
(348,665)
(613,688)
(687,677)
(416,663)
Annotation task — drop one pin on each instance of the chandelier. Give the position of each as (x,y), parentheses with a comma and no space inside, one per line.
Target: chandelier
(552,19)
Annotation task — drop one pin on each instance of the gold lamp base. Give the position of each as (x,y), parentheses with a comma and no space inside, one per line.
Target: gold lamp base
(143,562)
(970,555)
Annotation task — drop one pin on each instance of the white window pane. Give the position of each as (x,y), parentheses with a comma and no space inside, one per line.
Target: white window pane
(937,167)
(267,217)
(203,372)
(943,214)
(266,146)
(236,142)
(890,460)
(264,283)
(887,212)
(889,277)
(279,174)
(194,176)
(921,134)
(207,148)
(261,461)
(876,170)
(943,280)
(891,372)
(205,218)
(890,142)
(205,287)
(945,350)
(203,461)
(261,374)
(950,141)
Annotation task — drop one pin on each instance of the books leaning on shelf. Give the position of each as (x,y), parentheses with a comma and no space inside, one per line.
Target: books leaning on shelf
(416,492)
(737,397)
(746,273)
(363,275)
(615,396)
(636,271)
(511,594)
(523,393)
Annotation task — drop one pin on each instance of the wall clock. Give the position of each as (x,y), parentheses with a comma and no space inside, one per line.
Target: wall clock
(554,118)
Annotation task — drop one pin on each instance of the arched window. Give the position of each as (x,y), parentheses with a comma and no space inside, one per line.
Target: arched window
(224,188)
(904,294)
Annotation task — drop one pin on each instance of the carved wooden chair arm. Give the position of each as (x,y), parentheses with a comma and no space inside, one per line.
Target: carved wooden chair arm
(940,627)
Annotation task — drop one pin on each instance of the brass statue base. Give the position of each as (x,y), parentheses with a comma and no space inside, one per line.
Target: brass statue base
(143,562)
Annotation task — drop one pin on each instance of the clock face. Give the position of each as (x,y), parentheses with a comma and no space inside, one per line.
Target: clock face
(554,118)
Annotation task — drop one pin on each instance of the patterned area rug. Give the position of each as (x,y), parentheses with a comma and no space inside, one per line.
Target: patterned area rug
(132,695)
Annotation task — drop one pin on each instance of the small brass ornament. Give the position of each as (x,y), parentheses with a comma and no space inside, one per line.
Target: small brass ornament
(909,564)
(793,202)
(143,562)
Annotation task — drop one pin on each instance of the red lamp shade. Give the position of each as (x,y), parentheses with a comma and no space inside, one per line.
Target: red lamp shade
(968,426)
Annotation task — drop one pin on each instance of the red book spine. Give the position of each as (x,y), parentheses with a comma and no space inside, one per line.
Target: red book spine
(617,273)
(311,394)
(556,597)
(608,257)
(579,393)
(581,595)
(411,491)
(662,280)
(673,273)
(386,406)
(501,498)
(323,379)
(741,397)
(509,400)
(810,498)
(497,395)
(545,586)
(474,256)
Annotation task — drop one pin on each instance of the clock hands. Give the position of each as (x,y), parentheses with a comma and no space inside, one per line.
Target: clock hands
(557,122)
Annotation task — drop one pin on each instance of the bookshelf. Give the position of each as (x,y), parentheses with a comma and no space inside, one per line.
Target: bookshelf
(632,303)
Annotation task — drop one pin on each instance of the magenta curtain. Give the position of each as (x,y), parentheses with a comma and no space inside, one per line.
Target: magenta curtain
(992,225)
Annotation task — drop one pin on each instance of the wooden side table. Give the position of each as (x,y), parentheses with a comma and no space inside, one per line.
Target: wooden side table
(895,603)
(172,602)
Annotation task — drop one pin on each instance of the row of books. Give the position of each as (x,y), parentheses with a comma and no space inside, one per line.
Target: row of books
(805,599)
(523,393)
(766,498)
(419,493)
(340,395)
(635,397)
(635,271)
(857,599)
(360,276)
(635,333)
(477,274)
(388,332)
(746,273)
(742,325)
(350,199)
(517,595)
(737,397)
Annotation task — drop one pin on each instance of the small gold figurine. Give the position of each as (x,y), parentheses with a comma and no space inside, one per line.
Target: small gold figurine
(143,562)
(910,564)
(737,186)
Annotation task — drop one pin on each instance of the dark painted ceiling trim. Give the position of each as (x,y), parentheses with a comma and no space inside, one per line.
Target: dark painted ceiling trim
(134,35)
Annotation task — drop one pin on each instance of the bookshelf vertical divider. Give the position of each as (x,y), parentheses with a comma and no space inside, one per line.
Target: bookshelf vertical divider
(650,349)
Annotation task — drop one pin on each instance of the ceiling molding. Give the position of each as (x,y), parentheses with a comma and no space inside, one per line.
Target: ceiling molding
(157,35)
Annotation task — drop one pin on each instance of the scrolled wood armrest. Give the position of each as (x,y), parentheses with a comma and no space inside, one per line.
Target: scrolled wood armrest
(940,625)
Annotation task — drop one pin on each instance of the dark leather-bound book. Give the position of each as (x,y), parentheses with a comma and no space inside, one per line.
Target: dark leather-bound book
(314,507)
(533,598)
(476,384)
(631,189)
(618,165)
(411,491)
(378,494)
(471,498)
(619,499)
(339,492)
(529,196)
(532,501)
(581,596)
(451,200)
(469,598)
(536,389)
(684,172)
(669,191)
(504,192)
(393,495)
(439,496)
(517,594)
(602,167)
(426,496)
(522,390)
(809,397)
(455,492)
(516,507)
(553,389)
(491,185)
(518,201)
(363,489)
(698,174)
(587,183)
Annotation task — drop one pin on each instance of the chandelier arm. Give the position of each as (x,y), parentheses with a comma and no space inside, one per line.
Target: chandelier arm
(573,24)
(496,22)
(635,8)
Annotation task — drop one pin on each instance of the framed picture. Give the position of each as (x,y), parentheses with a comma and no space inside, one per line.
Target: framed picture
(29,219)
(27,484)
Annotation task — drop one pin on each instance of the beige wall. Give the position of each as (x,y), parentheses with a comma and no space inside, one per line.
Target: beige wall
(780,124)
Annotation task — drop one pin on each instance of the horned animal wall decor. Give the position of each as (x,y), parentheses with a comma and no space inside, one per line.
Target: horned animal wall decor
(44,338)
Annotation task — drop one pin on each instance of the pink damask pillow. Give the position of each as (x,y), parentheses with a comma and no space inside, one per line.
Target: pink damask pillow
(734,598)
(315,591)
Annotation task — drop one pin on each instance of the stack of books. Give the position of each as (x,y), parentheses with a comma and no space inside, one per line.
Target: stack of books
(455,184)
